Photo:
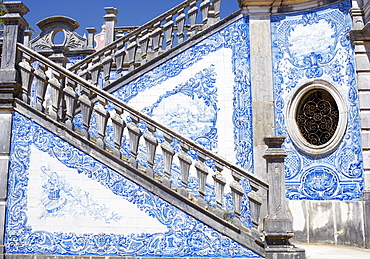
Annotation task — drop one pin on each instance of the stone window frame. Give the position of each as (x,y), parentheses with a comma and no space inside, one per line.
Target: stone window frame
(292,127)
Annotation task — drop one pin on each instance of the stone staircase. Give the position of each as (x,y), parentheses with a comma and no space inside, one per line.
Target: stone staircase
(138,45)
(69,103)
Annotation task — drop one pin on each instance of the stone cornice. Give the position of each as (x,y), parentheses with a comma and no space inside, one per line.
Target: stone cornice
(251,7)
(361,35)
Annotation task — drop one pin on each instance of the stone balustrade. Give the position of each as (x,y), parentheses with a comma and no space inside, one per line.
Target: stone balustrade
(106,122)
(137,45)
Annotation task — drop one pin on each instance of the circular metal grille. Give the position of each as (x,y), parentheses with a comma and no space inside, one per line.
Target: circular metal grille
(317,117)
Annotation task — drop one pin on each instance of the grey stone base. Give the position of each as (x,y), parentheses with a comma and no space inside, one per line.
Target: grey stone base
(23,256)
(329,222)
(285,253)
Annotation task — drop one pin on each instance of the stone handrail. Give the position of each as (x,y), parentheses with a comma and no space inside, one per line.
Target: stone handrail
(148,41)
(71,96)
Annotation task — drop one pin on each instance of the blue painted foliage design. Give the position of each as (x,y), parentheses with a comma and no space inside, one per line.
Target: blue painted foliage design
(186,236)
(234,37)
(323,51)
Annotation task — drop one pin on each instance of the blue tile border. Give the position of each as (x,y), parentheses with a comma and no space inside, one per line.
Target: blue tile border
(186,236)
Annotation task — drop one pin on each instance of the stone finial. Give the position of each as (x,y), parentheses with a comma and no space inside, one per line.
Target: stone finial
(14,25)
(110,22)
(111,14)
(90,39)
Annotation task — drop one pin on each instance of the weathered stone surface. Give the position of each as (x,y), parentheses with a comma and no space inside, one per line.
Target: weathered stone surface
(365,119)
(329,222)
(364,99)
(300,223)
(349,225)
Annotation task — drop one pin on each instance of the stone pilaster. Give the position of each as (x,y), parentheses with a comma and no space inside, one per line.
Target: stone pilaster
(360,36)
(261,81)
(110,23)
(278,225)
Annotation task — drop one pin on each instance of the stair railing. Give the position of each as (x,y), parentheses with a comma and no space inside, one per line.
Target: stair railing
(64,97)
(146,42)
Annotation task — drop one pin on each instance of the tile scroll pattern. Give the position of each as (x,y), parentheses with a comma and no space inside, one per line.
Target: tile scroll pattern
(234,37)
(307,46)
(185,236)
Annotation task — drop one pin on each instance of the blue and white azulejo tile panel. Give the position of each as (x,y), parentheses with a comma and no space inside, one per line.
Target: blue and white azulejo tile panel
(207,89)
(63,202)
(308,46)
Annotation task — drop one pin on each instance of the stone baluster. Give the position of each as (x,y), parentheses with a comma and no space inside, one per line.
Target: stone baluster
(70,98)
(204,7)
(151,143)
(26,77)
(255,203)
(58,55)
(27,37)
(95,70)
(144,42)
(156,36)
(202,173)
(110,22)
(118,125)
(192,15)
(217,9)
(168,153)
(55,94)
(237,194)
(211,16)
(220,183)
(90,38)
(131,50)
(180,21)
(185,163)
(85,74)
(86,111)
(168,29)
(134,134)
(41,85)
(120,57)
(101,120)
(107,65)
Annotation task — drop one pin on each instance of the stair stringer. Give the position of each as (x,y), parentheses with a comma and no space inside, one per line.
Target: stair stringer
(242,236)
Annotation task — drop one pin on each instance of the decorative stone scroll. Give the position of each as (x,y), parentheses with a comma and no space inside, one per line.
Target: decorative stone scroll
(76,44)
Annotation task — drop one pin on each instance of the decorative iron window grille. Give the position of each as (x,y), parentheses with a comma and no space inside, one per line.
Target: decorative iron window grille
(317,117)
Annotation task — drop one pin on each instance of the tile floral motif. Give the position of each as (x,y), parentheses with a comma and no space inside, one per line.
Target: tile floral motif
(196,119)
(186,236)
(307,46)
(234,37)
(202,94)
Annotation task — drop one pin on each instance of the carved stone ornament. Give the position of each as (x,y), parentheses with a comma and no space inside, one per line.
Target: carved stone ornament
(44,43)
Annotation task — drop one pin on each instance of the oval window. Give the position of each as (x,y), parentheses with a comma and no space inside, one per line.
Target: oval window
(317,117)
